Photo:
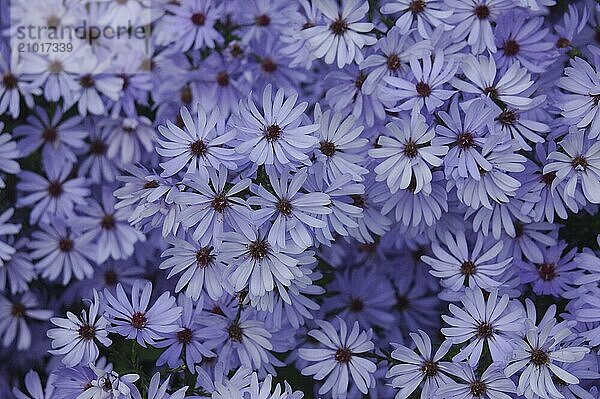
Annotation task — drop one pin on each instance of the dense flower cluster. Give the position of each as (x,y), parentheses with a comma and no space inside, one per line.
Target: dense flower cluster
(303,198)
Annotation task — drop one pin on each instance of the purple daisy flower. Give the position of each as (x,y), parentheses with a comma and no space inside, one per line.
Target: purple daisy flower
(340,354)
(197,145)
(425,88)
(425,14)
(133,319)
(294,211)
(276,135)
(14,314)
(190,24)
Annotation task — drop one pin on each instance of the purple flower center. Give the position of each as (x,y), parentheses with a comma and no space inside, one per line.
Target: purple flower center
(508,117)
(111,278)
(491,92)
(511,47)
(198,148)
(358,200)
(17,310)
(87,81)
(393,62)
(185,336)
(284,206)
(222,79)
(477,388)
(65,244)
(108,222)
(338,27)
(482,11)
(579,161)
(548,178)
(219,203)
(258,250)
(356,305)
(55,67)
(262,20)
(272,132)
(410,149)
(539,357)
(468,268)
(416,6)
(204,257)
(10,81)
(360,80)
(563,42)
(87,332)
(49,134)
(139,320)
(55,189)
(268,65)
(327,148)
(186,95)
(97,147)
(343,355)
(423,89)
(198,19)
(235,332)
(429,368)
(402,302)
(547,271)
(484,330)
(465,140)
(151,184)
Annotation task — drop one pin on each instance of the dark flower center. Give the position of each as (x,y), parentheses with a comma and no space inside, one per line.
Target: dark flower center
(65,244)
(547,271)
(18,310)
(485,330)
(491,92)
(111,278)
(429,368)
(108,222)
(393,62)
(284,206)
(343,355)
(10,81)
(596,99)
(360,80)
(482,11)
(548,178)
(338,27)
(86,81)
(465,140)
(423,89)
(235,332)
(477,388)
(50,134)
(356,305)
(258,250)
(204,257)
(273,132)
(327,148)
(563,42)
(519,229)
(402,302)
(222,79)
(268,65)
(358,200)
(416,6)
(579,161)
(262,20)
(151,184)
(468,268)
(139,320)
(539,357)
(198,19)
(55,67)
(107,385)
(236,50)
(97,147)
(87,332)
(410,149)
(185,336)
(508,117)
(219,203)
(198,148)
(511,47)
(186,95)
(55,189)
